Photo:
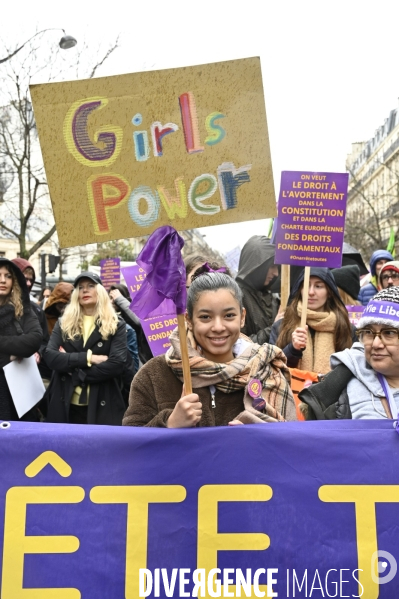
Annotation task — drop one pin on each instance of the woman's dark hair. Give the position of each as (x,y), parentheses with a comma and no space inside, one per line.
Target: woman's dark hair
(211,281)
(122,289)
(41,295)
(291,320)
(191,261)
(210,267)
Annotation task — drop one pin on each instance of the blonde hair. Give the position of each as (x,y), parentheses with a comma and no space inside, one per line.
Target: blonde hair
(348,299)
(104,317)
(15,297)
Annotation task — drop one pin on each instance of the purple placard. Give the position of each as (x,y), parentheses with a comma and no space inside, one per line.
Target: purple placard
(110,272)
(311,218)
(134,277)
(158,330)
(355,313)
(157,327)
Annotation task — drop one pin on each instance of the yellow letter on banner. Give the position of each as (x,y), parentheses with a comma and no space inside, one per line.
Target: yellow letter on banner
(210,541)
(137,499)
(16,543)
(364,497)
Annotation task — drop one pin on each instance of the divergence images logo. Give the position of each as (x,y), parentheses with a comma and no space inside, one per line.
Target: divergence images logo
(383,558)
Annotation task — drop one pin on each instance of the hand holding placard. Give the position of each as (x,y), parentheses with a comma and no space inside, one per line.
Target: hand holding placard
(187,412)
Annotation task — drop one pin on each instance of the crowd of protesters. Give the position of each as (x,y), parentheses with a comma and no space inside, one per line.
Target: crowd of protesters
(97,366)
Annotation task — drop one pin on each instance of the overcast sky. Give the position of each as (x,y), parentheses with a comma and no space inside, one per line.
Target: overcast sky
(330,69)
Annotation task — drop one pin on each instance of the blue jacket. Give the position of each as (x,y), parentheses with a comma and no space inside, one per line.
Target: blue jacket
(366,293)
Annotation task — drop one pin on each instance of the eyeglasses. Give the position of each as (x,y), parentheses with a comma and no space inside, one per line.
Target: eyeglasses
(387,336)
(394,276)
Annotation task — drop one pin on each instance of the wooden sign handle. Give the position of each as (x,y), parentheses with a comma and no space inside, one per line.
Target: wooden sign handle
(181,324)
(305,293)
(285,285)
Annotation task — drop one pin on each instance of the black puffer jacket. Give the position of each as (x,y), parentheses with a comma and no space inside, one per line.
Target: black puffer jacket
(257,256)
(20,337)
(328,399)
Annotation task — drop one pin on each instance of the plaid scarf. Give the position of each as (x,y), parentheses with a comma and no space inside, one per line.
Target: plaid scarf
(266,363)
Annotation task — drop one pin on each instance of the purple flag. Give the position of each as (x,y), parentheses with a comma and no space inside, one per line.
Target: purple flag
(163,264)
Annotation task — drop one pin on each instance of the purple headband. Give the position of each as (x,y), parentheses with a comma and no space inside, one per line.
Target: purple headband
(207,268)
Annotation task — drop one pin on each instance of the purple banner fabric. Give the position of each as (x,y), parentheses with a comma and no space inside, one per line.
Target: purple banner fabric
(161,322)
(110,272)
(311,218)
(162,261)
(85,509)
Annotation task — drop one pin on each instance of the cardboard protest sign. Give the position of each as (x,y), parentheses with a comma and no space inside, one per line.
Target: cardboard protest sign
(157,328)
(86,511)
(186,147)
(110,272)
(311,218)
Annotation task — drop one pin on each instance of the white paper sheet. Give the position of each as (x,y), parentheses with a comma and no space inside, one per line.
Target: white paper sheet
(25,384)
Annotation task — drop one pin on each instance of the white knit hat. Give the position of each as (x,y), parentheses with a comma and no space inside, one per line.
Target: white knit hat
(382,309)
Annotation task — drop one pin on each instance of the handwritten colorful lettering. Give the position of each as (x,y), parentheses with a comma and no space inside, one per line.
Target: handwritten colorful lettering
(134,152)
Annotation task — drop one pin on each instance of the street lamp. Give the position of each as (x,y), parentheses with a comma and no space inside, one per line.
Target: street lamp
(67,41)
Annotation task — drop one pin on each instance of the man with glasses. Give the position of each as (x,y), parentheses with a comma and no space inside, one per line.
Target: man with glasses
(364,381)
(389,275)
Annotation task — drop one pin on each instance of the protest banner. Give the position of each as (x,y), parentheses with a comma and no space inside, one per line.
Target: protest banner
(83,519)
(311,218)
(187,147)
(110,272)
(156,328)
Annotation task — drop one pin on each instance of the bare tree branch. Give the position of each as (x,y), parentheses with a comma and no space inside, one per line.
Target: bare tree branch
(41,241)
(107,55)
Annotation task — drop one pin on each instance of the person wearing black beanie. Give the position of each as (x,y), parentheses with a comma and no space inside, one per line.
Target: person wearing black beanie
(347,279)
(327,327)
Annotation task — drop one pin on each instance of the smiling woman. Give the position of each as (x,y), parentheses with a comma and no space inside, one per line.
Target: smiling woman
(234,380)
